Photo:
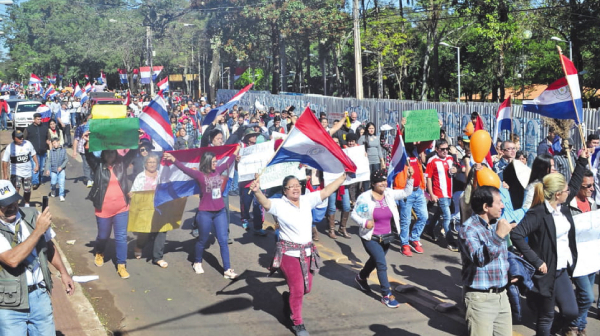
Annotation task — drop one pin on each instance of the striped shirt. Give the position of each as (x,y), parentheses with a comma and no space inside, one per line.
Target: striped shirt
(484,255)
(441,182)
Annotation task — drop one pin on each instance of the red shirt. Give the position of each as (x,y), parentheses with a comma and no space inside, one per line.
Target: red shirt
(583,206)
(437,169)
(417,176)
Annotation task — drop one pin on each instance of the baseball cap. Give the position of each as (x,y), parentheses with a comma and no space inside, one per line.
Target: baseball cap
(17,134)
(8,193)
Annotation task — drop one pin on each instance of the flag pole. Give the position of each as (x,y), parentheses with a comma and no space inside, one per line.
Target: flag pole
(583,145)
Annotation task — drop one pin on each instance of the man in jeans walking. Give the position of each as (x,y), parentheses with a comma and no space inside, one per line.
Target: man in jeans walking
(415,201)
(37,134)
(439,172)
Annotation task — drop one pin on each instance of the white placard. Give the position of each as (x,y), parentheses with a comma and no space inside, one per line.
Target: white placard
(273,175)
(358,155)
(587,235)
(254,159)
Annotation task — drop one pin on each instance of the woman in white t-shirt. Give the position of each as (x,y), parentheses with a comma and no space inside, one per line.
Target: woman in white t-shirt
(295,254)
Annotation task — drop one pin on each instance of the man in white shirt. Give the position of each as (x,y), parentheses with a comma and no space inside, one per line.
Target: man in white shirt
(26,249)
(18,155)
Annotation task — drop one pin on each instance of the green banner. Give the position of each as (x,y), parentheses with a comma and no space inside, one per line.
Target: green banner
(114,133)
(421,125)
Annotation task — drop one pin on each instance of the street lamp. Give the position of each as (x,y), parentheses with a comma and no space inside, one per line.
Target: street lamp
(555,38)
(458,65)
(6,2)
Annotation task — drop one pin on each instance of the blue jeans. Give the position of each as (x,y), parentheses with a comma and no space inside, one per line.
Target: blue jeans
(584,293)
(345,202)
(3,120)
(444,204)
(36,178)
(376,253)
(37,321)
(73,119)
(415,201)
(105,225)
(206,220)
(60,179)
(248,200)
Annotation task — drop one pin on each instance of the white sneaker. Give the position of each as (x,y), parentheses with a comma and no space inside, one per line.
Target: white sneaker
(27,205)
(230,274)
(90,184)
(62,198)
(52,194)
(198,268)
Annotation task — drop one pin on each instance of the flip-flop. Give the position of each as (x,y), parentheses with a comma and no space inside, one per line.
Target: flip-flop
(162,264)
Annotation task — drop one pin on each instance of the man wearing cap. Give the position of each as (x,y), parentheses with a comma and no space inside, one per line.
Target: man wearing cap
(37,134)
(26,248)
(19,154)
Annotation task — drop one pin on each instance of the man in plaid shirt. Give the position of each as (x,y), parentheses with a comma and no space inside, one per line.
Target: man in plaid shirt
(485,265)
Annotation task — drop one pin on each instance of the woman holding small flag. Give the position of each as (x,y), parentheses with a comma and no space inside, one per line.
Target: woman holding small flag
(295,255)
(211,210)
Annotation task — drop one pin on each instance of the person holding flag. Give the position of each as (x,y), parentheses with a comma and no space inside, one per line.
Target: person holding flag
(211,210)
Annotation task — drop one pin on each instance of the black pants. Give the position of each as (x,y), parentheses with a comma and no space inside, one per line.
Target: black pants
(158,240)
(67,135)
(563,297)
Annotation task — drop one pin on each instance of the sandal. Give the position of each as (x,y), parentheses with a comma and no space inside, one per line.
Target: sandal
(162,263)
(138,253)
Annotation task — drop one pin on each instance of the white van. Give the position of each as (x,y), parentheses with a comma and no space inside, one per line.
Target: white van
(23,113)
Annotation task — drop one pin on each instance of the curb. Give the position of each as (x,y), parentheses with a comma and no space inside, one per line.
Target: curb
(86,315)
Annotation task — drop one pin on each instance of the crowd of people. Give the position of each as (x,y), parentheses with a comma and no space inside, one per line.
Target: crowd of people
(525,224)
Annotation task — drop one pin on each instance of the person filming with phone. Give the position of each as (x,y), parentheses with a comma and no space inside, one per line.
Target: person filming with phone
(26,249)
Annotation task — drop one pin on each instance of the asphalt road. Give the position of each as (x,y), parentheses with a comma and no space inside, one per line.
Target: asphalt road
(176,301)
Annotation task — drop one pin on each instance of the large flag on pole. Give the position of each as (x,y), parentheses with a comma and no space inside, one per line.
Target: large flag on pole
(503,119)
(88,87)
(33,79)
(561,99)
(77,91)
(156,71)
(210,116)
(123,76)
(399,158)
(163,85)
(310,144)
(175,184)
(154,120)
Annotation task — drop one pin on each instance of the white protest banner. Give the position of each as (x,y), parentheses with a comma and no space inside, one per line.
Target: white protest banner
(254,159)
(587,235)
(273,175)
(277,135)
(359,157)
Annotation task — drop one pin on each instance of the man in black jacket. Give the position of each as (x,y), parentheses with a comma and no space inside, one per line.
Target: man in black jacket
(37,134)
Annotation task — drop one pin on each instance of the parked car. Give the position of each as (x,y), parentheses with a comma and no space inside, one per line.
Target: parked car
(12,104)
(23,113)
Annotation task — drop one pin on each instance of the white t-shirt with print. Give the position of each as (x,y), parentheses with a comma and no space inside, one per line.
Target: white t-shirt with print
(19,157)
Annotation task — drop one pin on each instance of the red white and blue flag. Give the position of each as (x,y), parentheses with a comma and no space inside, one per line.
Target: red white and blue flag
(33,79)
(163,85)
(156,71)
(77,91)
(174,183)
(503,119)
(102,77)
(210,116)
(88,87)
(310,144)
(87,77)
(561,99)
(154,120)
(127,100)
(45,111)
(50,92)
(52,78)
(5,87)
(399,158)
(84,97)
(123,76)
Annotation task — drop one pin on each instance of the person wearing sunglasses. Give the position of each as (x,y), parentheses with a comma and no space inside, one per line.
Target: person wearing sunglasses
(440,172)
(509,150)
(144,149)
(551,248)
(584,285)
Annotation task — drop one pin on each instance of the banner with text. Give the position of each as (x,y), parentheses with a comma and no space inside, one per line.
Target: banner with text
(587,235)
(359,157)
(273,175)
(421,125)
(254,159)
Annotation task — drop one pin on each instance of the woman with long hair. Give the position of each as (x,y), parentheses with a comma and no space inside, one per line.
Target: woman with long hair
(551,246)
(211,210)
(374,151)
(542,166)
(110,196)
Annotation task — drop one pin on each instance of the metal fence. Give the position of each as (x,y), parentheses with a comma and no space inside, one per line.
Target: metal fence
(455,116)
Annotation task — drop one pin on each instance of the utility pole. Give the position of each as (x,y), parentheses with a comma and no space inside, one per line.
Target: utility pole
(199,77)
(357,52)
(150,51)
(379,77)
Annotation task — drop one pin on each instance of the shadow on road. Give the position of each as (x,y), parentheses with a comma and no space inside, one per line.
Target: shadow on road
(382,330)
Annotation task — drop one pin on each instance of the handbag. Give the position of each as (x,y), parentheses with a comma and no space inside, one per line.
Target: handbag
(387,238)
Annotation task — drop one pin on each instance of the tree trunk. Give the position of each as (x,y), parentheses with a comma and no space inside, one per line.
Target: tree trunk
(276,77)
(213,78)
(435,68)
(307,55)
(500,75)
